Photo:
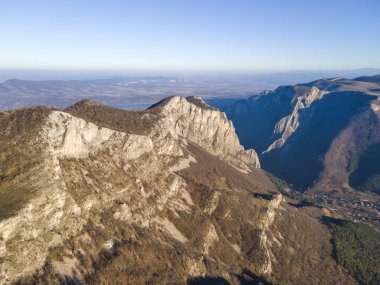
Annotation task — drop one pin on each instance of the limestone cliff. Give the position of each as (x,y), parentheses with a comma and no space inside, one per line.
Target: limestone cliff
(289,124)
(191,118)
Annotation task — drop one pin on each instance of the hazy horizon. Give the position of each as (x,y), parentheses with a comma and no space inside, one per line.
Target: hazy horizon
(56,74)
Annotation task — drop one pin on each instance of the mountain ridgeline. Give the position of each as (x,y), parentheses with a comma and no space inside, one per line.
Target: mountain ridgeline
(167,195)
(322,135)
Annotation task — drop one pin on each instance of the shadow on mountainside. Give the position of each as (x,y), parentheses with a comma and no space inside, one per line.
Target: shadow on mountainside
(208,281)
(300,160)
(245,278)
(366,174)
(254,119)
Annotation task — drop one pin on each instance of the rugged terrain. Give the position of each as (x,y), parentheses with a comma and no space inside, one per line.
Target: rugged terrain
(320,135)
(167,195)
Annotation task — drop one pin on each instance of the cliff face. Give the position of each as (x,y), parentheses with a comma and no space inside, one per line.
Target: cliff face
(209,128)
(289,124)
(98,195)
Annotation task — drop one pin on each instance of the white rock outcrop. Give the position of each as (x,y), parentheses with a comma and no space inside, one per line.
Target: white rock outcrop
(265,225)
(207,127)
(73,137)
(289,124)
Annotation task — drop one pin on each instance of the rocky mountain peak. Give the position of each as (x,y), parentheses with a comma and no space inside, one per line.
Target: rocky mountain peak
(198,101)
(194,120)
(178,118)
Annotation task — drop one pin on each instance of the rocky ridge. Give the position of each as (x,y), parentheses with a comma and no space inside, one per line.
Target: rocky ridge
(166,196)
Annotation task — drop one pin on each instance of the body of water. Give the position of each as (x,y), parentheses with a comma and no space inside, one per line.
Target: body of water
(137,106)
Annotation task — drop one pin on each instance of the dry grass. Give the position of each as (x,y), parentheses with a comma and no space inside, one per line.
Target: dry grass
(128,121)
(20,157)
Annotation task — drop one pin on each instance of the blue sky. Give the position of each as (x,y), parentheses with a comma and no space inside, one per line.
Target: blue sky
(266,35)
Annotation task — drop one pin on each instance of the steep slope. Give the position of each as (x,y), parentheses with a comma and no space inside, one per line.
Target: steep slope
(97,195)
(294,127)
(351,161)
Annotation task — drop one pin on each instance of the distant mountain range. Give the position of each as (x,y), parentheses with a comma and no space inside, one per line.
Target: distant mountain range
(322,136)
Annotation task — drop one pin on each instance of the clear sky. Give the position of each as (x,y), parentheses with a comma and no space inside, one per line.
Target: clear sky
(190,34)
